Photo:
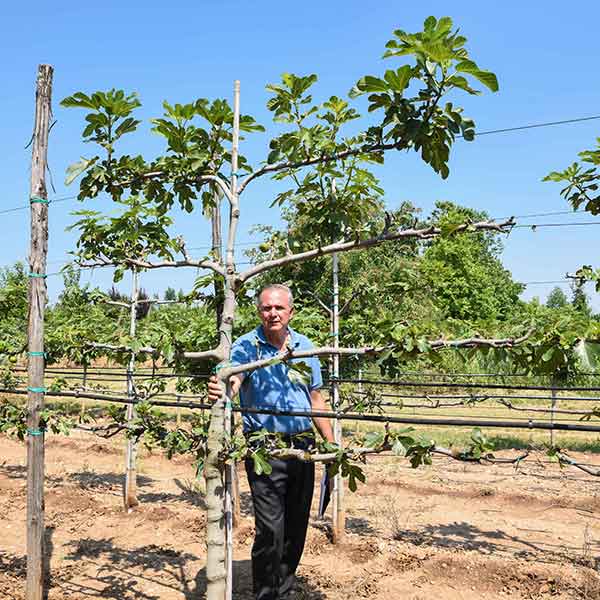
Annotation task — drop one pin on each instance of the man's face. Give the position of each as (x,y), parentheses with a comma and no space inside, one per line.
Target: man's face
(274,310)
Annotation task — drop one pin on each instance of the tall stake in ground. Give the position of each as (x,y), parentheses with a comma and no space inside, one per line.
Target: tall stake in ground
(130,491)
(338,512)
(37,303)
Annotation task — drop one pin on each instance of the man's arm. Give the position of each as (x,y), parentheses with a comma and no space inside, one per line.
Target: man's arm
(322,424)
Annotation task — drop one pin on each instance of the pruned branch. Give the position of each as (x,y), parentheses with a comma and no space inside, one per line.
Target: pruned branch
(223,185)
(560,411)
(474,342)
(323,158)
(121,348)
(104,431)
(405,234)
(359,453)
(322,304)
(564,459)
(289,353)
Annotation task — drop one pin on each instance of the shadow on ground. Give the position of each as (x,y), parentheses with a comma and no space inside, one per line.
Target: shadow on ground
(465,536)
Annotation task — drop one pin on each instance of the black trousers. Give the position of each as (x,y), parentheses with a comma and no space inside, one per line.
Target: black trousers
(282,502)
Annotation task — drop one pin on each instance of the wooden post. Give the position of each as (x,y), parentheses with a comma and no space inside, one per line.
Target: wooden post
(38,256)
(130,492)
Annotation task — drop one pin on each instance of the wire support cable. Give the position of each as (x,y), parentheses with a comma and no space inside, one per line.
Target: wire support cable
(492,386)
(526,424)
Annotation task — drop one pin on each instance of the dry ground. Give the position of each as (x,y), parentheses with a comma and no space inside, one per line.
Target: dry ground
(450,531)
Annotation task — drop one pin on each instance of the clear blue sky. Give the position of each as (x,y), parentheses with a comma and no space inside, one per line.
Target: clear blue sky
(545,54)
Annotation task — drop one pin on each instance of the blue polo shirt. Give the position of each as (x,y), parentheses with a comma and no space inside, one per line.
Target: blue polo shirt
(270,387)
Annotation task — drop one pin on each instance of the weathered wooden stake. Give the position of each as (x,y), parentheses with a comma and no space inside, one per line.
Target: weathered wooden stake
(37,303)
(130,491)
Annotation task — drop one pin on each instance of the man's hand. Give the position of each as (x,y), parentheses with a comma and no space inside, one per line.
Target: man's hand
(215,391)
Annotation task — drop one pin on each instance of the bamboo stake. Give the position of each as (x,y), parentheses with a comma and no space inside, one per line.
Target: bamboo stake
(552,414)
(230,468)
(84,386)
(360,391)
(37,303)
(130,492)
(338,511)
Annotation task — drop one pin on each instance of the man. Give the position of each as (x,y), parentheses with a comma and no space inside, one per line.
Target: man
(281,499)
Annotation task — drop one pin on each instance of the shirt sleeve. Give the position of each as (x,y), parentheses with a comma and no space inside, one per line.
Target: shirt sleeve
(316,379)
(241,352)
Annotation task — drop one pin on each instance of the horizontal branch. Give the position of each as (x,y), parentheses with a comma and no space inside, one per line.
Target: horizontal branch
(440,344)
(559,411)
(224,185)
(564,459)
(474,342)
(214,353)
(145,264)
(361,452)
(405,234)
(121,348)
(323,158)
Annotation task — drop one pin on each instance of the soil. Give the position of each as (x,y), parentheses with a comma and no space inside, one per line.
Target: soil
(450,531)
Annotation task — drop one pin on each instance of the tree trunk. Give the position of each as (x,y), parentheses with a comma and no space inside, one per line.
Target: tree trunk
(219,528)
(37,304)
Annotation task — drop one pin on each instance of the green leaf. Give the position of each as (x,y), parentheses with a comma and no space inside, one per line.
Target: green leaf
(76,169)
(486,77)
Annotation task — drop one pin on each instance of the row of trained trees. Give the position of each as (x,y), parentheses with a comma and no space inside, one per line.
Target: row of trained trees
(413,285)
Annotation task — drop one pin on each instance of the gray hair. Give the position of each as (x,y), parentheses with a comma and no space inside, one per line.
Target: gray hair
(276,286)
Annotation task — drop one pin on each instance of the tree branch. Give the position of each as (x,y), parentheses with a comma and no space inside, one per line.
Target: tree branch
(201,179)
(121,348)
(144,264)
(289,353)
(563,458)
(358,453)
(413,233)
(364,149)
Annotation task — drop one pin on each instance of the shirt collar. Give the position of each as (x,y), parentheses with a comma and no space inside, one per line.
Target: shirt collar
(260,336)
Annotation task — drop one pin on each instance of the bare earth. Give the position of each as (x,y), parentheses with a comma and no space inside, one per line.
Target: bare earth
(451,531)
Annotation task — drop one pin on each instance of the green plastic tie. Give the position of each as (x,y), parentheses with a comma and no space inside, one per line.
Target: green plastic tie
(44,354)
(39,390)
(37,275)
(237,174)
(334,335)
(35,432)
(38,200)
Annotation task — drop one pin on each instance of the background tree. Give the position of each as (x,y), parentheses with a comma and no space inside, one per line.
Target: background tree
(464,274)
(557,299)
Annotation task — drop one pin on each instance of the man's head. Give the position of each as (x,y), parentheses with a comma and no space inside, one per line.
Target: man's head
(275,305)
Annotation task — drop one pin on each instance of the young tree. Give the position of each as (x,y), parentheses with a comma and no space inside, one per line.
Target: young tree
(312,153)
